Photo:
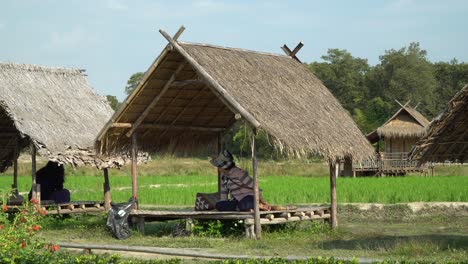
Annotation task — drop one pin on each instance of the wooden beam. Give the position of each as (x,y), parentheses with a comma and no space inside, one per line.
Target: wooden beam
(334,207)
(33,170)
(187,83)
(258,226)
(155,100)
(179,32)
(15,168)
(219,148)
(134,167)
(164,126)
(297,48)
(288,52)
(213,84)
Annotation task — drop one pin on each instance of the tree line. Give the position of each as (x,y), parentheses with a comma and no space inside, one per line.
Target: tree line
(369,93)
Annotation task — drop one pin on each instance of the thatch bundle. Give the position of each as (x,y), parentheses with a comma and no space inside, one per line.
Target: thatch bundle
(447,136)
(54,108)
(286,99)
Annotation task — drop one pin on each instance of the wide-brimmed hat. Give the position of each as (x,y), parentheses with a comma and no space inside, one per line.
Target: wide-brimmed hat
(223,160)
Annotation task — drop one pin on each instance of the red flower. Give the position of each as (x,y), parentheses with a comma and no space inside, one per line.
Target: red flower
(5,208)
(38,209)
(43,212)
(34,201)
(35,227)
(55,248)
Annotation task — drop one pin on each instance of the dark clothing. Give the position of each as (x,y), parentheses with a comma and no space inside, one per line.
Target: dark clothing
(245,204)
(236,182)
(51,178)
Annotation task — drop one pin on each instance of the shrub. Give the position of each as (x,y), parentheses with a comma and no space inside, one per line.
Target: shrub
(19,226)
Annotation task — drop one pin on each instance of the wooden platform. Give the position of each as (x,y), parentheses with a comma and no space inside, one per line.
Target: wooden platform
(73,207)
(139,217)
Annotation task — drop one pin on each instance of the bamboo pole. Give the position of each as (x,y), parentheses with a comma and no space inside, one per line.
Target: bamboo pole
(219,148)
(107,196)
(258,227)
(333,213)
(33,171)
(15,169)
(134,166)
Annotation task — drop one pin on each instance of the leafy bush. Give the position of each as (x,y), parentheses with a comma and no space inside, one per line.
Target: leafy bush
(18,229)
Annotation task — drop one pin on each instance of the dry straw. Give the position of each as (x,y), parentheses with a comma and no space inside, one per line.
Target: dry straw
(54,108)
(447,136)
(289,102)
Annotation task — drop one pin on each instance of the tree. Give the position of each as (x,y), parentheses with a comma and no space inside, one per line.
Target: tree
(113,101)
(133,82)
(451,77)
(344,75)
(405,74)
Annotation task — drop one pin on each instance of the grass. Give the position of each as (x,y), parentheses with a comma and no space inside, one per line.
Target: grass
(393,233)
(424,236)
(172,181)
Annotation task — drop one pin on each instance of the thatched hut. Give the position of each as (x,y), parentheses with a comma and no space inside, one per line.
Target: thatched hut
(399,134)
(192,93)
(52,111)
(447,135)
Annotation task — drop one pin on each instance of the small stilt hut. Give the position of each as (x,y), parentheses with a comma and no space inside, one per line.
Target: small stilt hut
(398,134)
(52,111)
(447,136)
(192,93)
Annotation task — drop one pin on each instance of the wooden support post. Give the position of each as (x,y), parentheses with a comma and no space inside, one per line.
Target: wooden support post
(348,167)
(219,148)
(33,171)
(258,227)
(107,196)
(334,207)
(134,167)
(15,169)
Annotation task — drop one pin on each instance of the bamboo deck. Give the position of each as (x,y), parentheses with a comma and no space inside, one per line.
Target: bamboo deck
(139,217)
(74,207)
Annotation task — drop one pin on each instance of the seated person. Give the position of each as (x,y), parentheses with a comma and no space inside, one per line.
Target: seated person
(237,184)
(51,178)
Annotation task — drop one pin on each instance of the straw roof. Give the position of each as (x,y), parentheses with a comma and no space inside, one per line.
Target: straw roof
(217,85)
(407,122)
(54,108)
(447,136)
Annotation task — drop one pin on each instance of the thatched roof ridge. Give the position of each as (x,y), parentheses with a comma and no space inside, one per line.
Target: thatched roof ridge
(447,135)
(289,102)
(55,108)
(406,122)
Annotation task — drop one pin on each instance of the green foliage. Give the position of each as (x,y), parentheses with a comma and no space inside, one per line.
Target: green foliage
(113,102)
(133,82)
(318,260)
(19,226)
(212,228)
(405,74)
(344,75)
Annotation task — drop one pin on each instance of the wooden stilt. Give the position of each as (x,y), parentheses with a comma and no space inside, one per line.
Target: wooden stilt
(33,171)
(15,169)
(333,213)
(219,148)
(107,196)
(134,166)
(258,227)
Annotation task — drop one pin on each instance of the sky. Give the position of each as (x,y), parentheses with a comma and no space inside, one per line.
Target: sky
(112,39)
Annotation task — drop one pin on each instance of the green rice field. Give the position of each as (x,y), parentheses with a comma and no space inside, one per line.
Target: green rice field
(176,182)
